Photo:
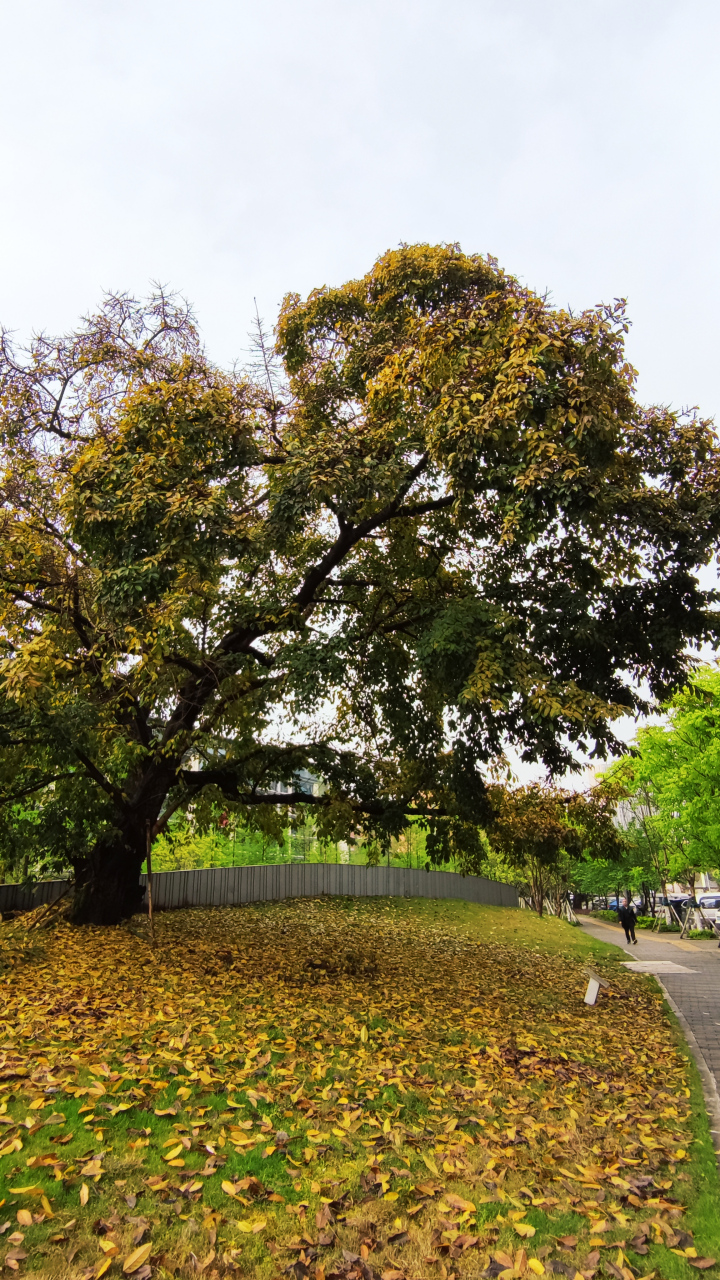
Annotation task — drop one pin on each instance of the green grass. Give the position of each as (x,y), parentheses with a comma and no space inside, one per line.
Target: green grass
(521,928)
(209,1218)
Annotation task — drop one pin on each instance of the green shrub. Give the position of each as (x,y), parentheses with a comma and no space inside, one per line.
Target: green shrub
(605,915)
(701,933)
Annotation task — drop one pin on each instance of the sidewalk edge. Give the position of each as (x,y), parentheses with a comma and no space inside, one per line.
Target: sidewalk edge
(709,1087)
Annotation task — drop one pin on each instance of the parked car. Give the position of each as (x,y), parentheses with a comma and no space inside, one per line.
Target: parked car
(681,905)
(710,905)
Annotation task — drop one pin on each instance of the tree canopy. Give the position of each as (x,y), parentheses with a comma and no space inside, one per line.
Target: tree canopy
(547,835)
(672,781)
(437,522)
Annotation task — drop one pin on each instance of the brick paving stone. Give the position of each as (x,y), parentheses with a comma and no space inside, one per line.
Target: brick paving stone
(696,994)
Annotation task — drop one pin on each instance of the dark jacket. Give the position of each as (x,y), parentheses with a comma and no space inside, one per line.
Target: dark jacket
(627,916)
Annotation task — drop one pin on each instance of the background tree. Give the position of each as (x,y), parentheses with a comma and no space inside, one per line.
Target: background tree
(672,809)
(449,526)
(631,874)
(530,830)
(546,834)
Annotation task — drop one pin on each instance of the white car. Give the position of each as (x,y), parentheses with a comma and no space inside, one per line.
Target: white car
(710,904)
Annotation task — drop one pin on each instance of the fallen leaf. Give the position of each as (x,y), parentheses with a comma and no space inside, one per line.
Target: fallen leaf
(457,1202)
(136,1259)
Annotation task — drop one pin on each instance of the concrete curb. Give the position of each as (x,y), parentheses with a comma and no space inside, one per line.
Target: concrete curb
(709,1087)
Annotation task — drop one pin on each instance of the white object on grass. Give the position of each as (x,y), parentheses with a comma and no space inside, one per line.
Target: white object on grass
(591,994)
(595,982)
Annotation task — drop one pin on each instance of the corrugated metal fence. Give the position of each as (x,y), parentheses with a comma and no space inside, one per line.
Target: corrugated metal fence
(14,898)
(231,886)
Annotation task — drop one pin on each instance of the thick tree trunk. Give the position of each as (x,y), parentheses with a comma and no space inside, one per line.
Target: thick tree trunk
(107,883)
(537,890)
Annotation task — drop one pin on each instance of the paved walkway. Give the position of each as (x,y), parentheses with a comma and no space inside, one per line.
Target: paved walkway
(694,996)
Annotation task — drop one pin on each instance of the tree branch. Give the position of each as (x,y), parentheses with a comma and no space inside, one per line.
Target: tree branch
(38,786)
(224,780)
(100,778)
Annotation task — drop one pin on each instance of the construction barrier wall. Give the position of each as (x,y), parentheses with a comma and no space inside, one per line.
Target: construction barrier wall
(231,886)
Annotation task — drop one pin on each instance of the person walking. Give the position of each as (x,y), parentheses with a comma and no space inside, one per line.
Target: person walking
(627,918)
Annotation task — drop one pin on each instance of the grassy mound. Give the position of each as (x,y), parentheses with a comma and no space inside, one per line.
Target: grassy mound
(343,1088)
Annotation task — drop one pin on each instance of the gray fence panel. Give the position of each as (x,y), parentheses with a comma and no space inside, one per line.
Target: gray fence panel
(231,886)
(14,898)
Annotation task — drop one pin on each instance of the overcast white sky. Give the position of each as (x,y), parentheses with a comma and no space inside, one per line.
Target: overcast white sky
(234,149)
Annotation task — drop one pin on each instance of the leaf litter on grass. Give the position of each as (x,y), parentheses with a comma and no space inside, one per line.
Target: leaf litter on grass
(332,1089)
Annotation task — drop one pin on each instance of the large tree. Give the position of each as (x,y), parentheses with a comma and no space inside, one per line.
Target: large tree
(446,525)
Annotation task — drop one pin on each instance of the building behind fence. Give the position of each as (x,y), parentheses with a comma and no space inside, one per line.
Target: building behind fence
(233,886)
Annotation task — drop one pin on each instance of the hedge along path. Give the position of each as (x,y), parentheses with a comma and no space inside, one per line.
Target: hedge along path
(335,1089)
